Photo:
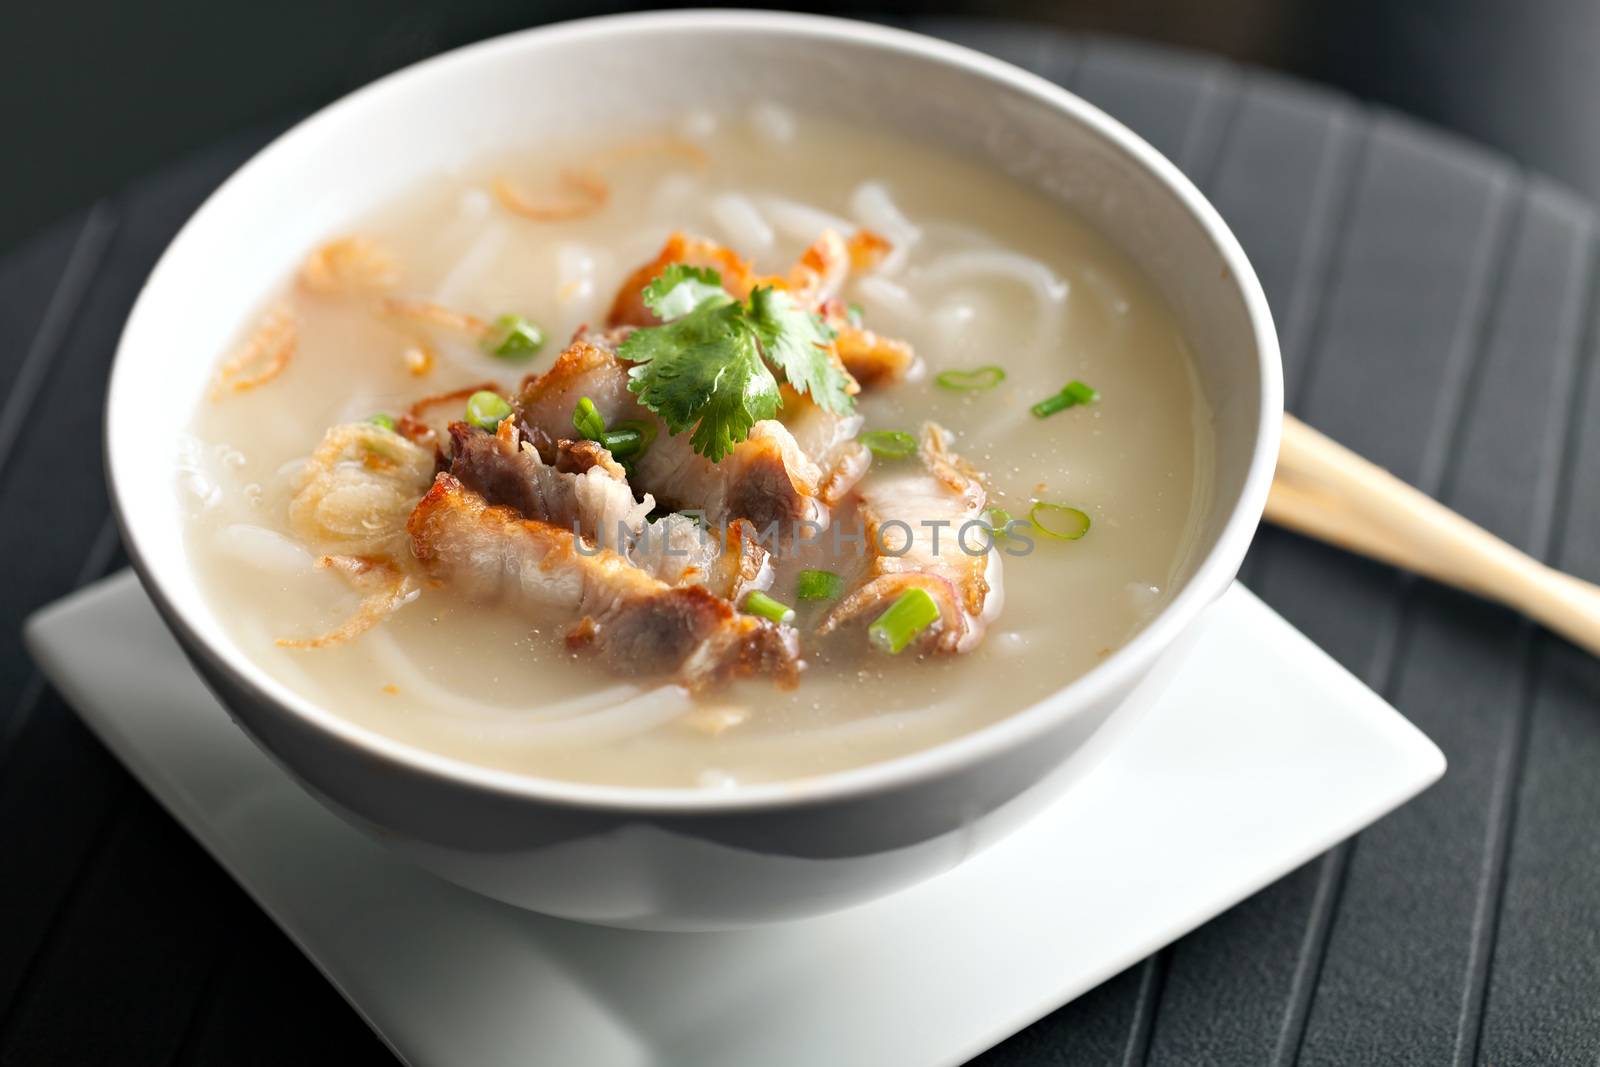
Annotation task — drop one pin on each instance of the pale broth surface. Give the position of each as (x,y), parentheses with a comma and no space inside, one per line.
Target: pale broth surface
(995,275)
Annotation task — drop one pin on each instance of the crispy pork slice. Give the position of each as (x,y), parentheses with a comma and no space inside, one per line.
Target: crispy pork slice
(729,562)
(914,524)
(830,441)
(767,479)
(584,490)
(871,358)
(587,492)
(635,623)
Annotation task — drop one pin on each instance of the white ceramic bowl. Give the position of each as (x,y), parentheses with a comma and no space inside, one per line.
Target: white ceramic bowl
(684,859)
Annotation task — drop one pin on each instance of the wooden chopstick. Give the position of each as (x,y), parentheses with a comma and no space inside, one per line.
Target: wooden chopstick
(1326,491)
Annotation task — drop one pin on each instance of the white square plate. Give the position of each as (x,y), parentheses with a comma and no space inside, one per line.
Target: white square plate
(1263,753)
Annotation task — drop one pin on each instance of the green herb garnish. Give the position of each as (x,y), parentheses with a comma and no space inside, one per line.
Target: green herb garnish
(513,337)
(625,441)
(1072,394)
(997,518)
(486,410)
(889,444)
(971,381)
(818,585)
(383,420)
(760,604)
(852,315)
(623,444)
(707,365)
(587,421)
(1059,521)
(911,613)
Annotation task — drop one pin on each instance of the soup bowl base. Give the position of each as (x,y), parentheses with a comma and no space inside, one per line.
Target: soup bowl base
(1234,777)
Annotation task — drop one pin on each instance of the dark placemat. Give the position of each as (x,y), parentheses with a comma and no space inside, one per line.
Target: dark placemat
(1437,310)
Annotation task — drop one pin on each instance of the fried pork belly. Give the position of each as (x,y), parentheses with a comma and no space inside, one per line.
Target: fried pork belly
(768,478)
(830,441)
(635,623)
(965,584)
(586,491)
(871,358)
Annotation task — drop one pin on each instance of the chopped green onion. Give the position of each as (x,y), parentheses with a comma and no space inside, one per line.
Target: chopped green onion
(384,420)
(1081,393)
(1050,405)
(513,337)
(852,314)
(1059,521)
(587,421)
(623,444)
(1073,393)
(971,381)
(818,585)
(759,603)
(625,440)
(911,613)
(997,518)
(486,410)
(645,428)
(889,444)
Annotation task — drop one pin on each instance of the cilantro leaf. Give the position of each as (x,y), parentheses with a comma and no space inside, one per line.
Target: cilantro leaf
(703,370)
(586,419)
(796,341)
(680,289)
(706,366)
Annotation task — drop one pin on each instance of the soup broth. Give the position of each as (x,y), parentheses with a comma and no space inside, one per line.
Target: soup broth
(981,272)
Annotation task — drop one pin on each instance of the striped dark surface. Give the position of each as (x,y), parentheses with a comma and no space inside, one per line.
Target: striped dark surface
(1437,309)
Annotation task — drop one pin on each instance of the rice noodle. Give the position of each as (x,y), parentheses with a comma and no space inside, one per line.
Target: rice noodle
(741,224)
(196,477)
(953,316)
(946,232)
(670,196)
(889,296)
(651,709)
(774,123)
(263,549)
(1113,302)
(469,271)
(475,204)
(487,718)
(391,588)
(798,220)
(876,210)
(1049,291)
(699,124)
(576,266)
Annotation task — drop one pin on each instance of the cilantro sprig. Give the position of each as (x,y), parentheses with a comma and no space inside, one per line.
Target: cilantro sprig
(708,367)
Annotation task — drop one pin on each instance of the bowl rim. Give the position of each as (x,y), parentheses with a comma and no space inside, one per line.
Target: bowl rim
(1209,580)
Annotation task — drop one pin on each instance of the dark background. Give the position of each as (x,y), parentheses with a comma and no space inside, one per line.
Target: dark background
(95,94)
(1439,310)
